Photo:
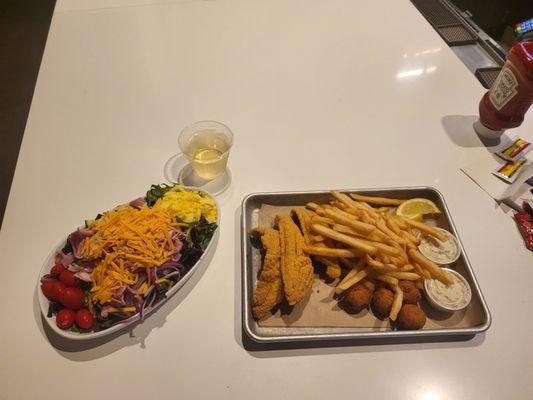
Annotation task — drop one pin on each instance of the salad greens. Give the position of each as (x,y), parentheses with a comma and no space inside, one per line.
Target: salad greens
(198,236)
(156,192)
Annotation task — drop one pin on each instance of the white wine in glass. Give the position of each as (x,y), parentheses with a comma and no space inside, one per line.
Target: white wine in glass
(206,144)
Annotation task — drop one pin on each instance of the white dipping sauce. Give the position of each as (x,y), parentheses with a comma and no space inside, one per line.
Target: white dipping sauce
(437,251)
(454,296)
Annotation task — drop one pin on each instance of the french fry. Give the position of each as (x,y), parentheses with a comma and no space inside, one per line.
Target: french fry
(349,276)
(348,283)
(385,268)
(316,238)
(350,231)
(382,201)
(435,271)
(322,220)
(385,258)
(408,276)
(343,198)
(312,206)
(393,225)
(368,208)
(338,204)
(410,238)
(383,228)
(341,237)
(383,248)
(398,261)
(387,279)
(396,303)
(411,246)
(365,217)
(330,252)
(369,218)
(407,268)
(349,220)
(379,266)
(421,271)
(399,221)
(420,284)
(404,259)
(426,229)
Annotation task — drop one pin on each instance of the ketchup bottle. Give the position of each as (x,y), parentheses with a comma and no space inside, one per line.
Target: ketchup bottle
(509,98)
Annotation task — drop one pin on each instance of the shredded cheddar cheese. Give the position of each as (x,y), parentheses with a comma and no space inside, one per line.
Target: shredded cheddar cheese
(127,239)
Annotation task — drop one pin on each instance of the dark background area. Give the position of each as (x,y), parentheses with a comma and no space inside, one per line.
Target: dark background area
(498,17)
(24,27)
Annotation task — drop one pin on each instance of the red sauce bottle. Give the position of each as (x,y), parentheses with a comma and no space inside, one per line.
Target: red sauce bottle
(511,95)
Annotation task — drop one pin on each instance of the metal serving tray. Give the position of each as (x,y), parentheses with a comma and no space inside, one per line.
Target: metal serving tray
(251,261)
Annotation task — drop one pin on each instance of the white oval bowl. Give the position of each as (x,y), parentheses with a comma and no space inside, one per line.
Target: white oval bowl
(50,261)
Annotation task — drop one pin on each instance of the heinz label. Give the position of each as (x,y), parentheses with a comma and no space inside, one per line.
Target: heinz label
(503,89)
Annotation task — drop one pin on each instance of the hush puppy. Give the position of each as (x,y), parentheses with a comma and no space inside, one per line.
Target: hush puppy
(382,301)
(411,294)
(411,317)
(357,298)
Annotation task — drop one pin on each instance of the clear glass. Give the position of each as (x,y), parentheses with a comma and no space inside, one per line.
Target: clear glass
(206,144)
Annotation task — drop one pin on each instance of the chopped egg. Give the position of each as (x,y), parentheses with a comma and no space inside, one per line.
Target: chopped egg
(188,205)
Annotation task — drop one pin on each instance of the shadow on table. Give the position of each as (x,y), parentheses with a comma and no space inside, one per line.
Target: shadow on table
(319,347)
(137,333)
(460,130)
(309,348)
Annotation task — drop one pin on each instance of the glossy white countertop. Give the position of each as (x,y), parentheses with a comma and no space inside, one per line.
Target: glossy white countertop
(319,94)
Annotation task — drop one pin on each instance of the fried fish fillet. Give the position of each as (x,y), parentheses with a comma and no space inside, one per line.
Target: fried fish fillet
(269,291)
(304,220)
(296,267)
(333,269)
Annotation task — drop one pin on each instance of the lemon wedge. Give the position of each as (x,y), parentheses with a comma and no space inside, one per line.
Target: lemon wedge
(417,208)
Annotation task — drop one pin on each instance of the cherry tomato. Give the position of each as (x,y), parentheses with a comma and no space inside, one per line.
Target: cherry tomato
(72,298)
(68,278)
(49,288)
(57,290)
(84,319)
(57,269)
(65,318)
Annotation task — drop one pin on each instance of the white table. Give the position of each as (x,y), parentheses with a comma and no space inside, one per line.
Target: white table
(320,94)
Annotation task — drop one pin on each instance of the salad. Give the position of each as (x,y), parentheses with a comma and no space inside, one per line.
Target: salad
(125,260)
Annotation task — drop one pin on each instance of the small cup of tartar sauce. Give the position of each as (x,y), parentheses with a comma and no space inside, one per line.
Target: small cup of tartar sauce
(453,297)
(442,253)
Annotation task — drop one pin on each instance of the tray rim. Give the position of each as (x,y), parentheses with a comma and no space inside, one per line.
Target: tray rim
(308,337)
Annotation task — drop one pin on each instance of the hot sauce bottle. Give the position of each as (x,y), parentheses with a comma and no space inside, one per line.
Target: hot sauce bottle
(511,94)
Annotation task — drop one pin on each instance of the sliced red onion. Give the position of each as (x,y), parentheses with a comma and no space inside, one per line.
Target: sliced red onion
(170,275)
(64,259)
(84,276)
